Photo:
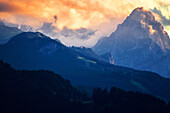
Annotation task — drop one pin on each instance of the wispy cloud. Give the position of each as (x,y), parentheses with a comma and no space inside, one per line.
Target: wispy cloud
(165,21)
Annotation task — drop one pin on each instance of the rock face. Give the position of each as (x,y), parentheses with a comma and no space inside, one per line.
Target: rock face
(140,42)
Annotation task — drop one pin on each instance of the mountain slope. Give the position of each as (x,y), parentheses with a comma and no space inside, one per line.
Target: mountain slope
(140,42)
(32,51)
(7,32)
(88,52)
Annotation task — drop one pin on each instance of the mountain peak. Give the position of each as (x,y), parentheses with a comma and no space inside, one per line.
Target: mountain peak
(144,23)
(141,15)
(140,42)
(140,9)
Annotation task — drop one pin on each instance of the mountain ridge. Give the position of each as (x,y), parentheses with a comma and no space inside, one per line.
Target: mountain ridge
(44,53)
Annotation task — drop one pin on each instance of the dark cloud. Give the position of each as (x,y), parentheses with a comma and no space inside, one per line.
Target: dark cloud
(55,18)
(6,7)
(164,20)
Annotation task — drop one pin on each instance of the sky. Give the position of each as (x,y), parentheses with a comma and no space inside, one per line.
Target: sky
(101,15)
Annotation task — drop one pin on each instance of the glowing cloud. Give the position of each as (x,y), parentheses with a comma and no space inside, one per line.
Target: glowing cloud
(103,15)
(71,13)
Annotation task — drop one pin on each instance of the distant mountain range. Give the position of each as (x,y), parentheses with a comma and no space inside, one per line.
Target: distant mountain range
(33,51)
(22,27)
(65,35)
(140,42)
(7,32)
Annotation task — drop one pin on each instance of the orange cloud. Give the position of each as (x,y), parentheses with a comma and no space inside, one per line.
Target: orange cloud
(71,13)
(157,17)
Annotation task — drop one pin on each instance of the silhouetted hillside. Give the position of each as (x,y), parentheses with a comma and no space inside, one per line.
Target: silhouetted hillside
(44,92)
(34,91)
(119,101)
